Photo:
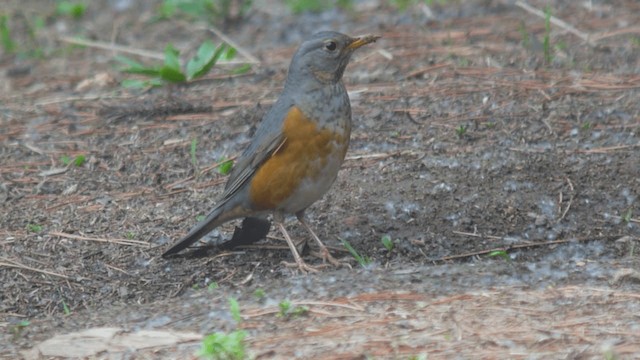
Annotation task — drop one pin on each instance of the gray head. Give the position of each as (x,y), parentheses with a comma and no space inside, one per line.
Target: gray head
(324,56)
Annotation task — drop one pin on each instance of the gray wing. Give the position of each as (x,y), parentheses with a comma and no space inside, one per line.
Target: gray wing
(267,139)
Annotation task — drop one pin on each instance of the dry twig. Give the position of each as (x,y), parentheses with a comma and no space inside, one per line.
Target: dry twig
(112,241)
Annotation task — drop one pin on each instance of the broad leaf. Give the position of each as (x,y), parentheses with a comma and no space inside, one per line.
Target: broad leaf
(204,60)
(135,67)
(172,58)
(170,74)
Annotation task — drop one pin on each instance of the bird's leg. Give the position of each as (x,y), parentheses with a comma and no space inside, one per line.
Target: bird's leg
(279,220)
(325,254)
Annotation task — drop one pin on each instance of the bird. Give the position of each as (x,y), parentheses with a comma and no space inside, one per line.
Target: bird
(298,148)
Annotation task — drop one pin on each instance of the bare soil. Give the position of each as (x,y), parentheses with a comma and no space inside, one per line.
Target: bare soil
(509,185)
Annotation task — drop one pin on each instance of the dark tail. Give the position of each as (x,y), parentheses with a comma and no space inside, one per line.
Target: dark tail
(216,218)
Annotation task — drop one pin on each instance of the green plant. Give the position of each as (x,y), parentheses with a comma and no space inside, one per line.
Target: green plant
(77,161)
(461,130)
(546,45)
(287,309)
(72,9)
(299,6)
(34,228)
(501,253)
(284,306)
(130,235)
(205,9)
(387,242)
(627,216)
(212,286)
(200,218)
(259,294)
(8,44)
(234,307)
(225,167)
(170,71)
(221,346)
(192,152)
(65,308)
(17,329)
(362,260)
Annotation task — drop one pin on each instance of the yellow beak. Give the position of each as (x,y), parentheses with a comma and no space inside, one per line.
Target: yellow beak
(361,41)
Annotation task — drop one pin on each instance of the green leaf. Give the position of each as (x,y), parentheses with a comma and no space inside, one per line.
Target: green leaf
(68,8)
(172,75)
(225,167)
(5,34)
(500,253)
(242,69)
(79,160)
(235,310)
(134,67)
(65,159)
(229,54)
(170,71)
(134,83)
(172,58)
(205,59)
(35,228)
(195,65)
(224,346)
(387,242)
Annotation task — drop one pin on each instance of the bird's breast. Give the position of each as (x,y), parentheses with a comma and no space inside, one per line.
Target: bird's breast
(303,168)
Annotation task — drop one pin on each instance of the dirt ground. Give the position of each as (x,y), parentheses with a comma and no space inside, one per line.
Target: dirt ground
(466,141)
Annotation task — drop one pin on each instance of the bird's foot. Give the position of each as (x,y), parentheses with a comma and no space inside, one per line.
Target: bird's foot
(302,266)
(326,256)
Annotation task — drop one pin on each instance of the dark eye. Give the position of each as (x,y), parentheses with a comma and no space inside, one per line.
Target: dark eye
(330,45)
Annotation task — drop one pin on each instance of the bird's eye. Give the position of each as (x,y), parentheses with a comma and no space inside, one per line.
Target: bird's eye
(330,45)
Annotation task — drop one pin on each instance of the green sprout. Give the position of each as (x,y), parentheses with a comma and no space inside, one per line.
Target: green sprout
(284,306)
(461,130)
(501,253)
(225,167)
(34,228)
(288,310)
(77,161)
(212,286)
(8,44)
(234,307)
(74,10)
(387,242)
(192,151)
(362,260)
(17,329)
(259,294)
(221,346)
(65,308)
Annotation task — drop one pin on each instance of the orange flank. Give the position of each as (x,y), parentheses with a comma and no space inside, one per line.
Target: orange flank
(302,155)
